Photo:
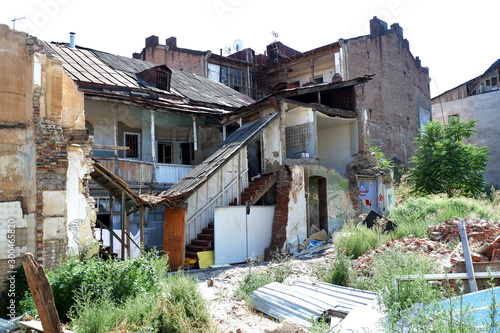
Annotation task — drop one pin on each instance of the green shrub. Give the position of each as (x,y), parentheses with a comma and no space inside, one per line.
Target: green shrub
(121,280)
(355,240)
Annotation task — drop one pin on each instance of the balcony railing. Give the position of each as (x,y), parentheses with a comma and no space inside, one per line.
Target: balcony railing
(142,172)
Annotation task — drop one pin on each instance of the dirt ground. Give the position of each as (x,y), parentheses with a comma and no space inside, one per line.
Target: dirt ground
(231,315)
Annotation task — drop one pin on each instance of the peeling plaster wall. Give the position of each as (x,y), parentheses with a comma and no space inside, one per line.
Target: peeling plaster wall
(300,133)
(296,229)
(338,202)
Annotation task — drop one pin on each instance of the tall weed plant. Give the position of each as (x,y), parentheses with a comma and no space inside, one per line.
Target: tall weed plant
(355,239)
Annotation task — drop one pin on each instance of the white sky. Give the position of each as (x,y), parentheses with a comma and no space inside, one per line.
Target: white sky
(456,39)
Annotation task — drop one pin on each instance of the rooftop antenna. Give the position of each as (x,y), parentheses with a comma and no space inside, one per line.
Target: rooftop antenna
(275,35)
(14,20)
(238,45)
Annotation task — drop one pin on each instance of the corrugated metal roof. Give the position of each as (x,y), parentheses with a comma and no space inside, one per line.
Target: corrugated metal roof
(309,300)
(227,149)
(92,66)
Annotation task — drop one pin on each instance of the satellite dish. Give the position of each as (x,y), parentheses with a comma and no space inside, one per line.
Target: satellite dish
(238,45)
(227,49)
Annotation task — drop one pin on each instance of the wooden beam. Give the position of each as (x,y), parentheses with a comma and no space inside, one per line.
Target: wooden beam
(123,218)
(108,147)
(42,295)
(332,112)
(141,216)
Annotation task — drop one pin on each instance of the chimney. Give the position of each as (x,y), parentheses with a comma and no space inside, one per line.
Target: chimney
(397,29)
(72,40)
(171,41)
(152,41)
(377,27)
(419,63)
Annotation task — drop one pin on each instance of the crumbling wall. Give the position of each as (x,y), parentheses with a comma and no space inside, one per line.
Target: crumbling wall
(41,102)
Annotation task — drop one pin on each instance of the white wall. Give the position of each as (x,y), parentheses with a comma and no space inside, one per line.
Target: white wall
(335,143)
(271,146)
(485,108)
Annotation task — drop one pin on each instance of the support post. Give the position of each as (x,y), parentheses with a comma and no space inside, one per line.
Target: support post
(195,140)
(468,261)
(127,220)
(224,133)
(123,218)
(111,207)
(238,181)
(141,214)
(115,137)
(153,147)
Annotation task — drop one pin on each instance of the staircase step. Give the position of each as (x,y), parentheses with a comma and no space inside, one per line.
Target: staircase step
(209,231)
(190,254)
(211,225)
(202,242)
(206,236)
(196,248)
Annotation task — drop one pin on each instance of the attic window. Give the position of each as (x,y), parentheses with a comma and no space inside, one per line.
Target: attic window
(162,80)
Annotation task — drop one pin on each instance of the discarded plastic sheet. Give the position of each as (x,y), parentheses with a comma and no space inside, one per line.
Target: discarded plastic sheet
(309,300)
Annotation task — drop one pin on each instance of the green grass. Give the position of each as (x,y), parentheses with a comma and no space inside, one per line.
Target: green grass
(355,239)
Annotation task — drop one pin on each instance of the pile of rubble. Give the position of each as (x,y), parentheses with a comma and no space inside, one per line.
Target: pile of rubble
(405,244)
(483,237)
(477,230)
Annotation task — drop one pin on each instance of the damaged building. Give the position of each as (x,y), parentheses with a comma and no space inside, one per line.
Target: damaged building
(397,102)
(45,164)
(178,161)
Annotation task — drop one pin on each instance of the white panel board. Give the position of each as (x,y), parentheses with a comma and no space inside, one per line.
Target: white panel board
(260,229)
(239,236)
(230,234)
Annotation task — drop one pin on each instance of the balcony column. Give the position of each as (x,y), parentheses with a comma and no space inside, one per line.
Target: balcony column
(195,141)
(153,147)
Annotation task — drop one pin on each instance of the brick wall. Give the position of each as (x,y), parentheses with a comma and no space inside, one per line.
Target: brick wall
(393,98)
(283,187)
(51,175)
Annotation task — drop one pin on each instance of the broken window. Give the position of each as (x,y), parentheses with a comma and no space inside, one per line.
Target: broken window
(132,141)
(187,149)
(237,80)
(165,152)
(162,80)
(318,80)
(453,116)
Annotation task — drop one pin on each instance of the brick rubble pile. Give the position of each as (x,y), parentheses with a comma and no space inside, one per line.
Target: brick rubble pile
(483,236)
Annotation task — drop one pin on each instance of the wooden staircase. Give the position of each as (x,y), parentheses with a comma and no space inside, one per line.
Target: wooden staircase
(255,190)
(203,242)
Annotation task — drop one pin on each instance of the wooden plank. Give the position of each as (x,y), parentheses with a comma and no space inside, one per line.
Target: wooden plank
(42,295)
(174,241)
(468,259)
(37,325)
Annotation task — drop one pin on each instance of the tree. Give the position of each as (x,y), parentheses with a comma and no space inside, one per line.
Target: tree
(444,163)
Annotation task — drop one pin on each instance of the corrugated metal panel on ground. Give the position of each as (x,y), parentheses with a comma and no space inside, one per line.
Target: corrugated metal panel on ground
(309,300)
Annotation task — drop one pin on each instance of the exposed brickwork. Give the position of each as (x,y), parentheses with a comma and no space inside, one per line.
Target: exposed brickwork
(398,90)
(51,175)
(283,187)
